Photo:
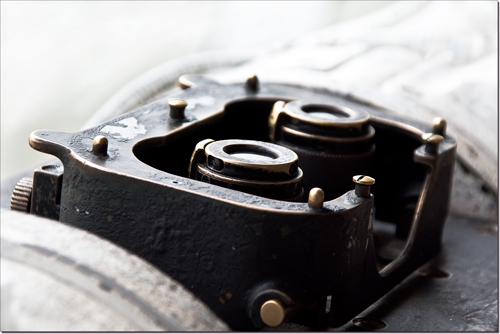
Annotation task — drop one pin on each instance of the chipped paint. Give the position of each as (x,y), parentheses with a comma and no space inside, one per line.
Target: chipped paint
(205,101)
(128,129)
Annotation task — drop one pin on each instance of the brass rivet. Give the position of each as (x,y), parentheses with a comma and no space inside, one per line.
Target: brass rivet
(439,126)
(316,198)
(364,180)
(432,142)
(253,83)
(100,145)
(177,107)
(272,313)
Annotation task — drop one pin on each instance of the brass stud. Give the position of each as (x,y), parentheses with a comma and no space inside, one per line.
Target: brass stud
(253,83)
(439,126)
(100,145)
(316,198)
(432,142)
(177,107)
(272,313)
(363,183)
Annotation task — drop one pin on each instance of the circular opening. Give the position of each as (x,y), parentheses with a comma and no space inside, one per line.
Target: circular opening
(215,163)
(369,324)
(328,113)
(250,152)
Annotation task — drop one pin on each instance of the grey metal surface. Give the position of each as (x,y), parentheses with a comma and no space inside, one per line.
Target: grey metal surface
(59,278)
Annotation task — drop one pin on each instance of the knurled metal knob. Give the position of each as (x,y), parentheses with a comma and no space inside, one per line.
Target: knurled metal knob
(21,196)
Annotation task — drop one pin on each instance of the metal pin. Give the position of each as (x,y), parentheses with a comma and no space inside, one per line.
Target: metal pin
(100,145)
(363,183)
(316,198)
(177,107)
(439,126)
(272,313)
(432,142)
(253,83)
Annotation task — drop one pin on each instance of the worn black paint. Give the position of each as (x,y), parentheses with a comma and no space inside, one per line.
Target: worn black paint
(224,244)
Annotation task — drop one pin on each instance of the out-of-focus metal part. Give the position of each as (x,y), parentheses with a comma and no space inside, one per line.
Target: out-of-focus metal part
(46,198)
(316,198)
(439,126)
(259,168)
(100,145)
(177,107)
(184,83)
(273,313)
(363,183)
(59,278)
(21,197)
(432,142)
(253,83)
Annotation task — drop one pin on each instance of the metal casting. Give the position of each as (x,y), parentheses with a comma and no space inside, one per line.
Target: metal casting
(257,260)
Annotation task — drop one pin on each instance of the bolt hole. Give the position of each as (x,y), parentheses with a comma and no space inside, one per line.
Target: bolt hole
(434,272)
(369,324)
(485,189)
(176,182)
(215,163)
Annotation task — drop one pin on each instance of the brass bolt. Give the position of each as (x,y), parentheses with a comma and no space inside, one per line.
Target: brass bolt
(432,142)
(100,145)
(363,183)
(439,126)
(253,83)
(177,107)
(272,313)
(316,198)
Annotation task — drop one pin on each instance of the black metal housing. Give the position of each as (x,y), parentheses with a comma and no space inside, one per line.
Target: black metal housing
(229,247)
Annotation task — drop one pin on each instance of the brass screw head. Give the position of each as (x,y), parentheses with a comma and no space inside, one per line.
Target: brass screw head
(363,180)
(439,126)
(177,107)
(316,198)
(272,313)
(100,145)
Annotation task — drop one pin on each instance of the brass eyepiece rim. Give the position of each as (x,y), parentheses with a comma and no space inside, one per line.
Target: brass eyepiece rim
(353,118)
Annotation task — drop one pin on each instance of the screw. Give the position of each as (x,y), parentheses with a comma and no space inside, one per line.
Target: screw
(316,198)
(100,145)
(363,183)
(432,142)
(439,126)
(272,313)
(253,83)
(177,107)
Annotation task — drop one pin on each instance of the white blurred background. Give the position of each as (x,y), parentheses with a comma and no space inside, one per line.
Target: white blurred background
(61,61)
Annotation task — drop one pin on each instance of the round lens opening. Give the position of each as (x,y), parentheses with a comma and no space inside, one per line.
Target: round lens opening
(250,152)
(324,112)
